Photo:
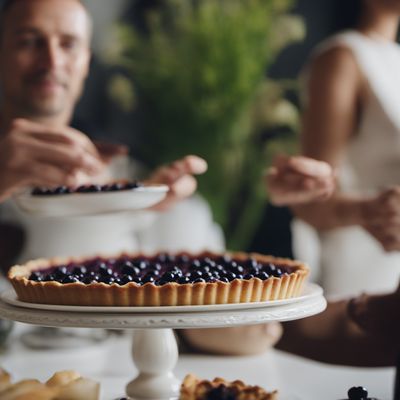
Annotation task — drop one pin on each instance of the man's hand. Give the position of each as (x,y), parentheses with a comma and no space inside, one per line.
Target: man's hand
(33,154)
(299,180)
(377,315)
(381,218)
(179,177)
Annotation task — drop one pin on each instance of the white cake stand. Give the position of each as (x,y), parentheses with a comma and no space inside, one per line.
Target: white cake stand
(154,349)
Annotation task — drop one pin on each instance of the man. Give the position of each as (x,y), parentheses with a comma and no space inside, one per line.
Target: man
(45,54)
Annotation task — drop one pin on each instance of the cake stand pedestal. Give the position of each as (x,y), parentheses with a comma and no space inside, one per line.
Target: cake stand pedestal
(154,349)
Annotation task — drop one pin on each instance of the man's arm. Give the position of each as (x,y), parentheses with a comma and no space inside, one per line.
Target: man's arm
(361,332)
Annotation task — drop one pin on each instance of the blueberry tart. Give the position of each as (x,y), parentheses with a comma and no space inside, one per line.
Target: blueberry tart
(193,388)
(159,280)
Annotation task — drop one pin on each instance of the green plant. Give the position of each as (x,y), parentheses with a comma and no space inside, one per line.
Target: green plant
(199,77)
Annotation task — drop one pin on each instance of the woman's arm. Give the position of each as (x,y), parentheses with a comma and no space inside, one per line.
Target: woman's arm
(330,119)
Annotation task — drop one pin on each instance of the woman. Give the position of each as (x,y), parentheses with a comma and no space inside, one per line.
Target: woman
(352,121)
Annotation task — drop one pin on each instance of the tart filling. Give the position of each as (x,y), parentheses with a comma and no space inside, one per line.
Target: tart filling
(193,388)
(160,280)
(111,187)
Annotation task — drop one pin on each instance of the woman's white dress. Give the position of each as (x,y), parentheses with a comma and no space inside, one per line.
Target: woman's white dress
(351,261)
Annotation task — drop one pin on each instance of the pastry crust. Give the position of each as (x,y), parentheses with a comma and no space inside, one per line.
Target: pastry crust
(170,294)
(193,388)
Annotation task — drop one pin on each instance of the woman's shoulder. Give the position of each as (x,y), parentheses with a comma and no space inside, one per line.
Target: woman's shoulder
(335,62)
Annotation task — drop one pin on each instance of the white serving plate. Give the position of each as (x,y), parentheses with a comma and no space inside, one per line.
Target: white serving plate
(74,204)
(310,291)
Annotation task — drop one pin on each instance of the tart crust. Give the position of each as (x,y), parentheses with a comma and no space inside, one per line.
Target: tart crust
(193,388)
(170,294)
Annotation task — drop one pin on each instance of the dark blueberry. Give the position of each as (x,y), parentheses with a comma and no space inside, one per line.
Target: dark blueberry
(183,280)
(195,274)
(126,279)
(216,275)
(220,268)
(156,266)
(232,265)
(262,275)
(62,270)
(224,279)
(195,263)
(116,187)
(129,269)
(61,190)
(222,392)
(106,188)
(82,189)
(205,268)
(238,269)
(107,279)
(42,192)
(168,277)
(252,263)
(148,279)
(142,264)
(278,272)
(357,393)
(248,276)
(207,276)
(239,276)
(137,279)
(270,268)
(80,269)
(88,279)
(50,278)
(209,262)
(176,270)
(230,276)
(36,276)
(199,280)
(70,279)
(105,271)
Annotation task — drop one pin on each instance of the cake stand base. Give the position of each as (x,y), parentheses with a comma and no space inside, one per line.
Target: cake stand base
(155,354)
(154,350)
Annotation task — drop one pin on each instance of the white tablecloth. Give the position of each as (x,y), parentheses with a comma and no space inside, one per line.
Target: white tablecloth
(110,363)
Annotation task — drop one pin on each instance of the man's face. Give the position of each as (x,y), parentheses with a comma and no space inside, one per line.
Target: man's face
(44,56)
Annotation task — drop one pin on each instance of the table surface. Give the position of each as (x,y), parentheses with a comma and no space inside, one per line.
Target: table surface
(110,363)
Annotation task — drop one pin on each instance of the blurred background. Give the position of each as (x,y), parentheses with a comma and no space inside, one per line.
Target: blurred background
(214,78)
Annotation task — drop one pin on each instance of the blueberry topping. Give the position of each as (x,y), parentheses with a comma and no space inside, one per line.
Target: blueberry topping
(159,270)
(86,189)
(126,279)
(36,276)
(70,279)
(222,392)
(262,275)
(357,393)
(184,279)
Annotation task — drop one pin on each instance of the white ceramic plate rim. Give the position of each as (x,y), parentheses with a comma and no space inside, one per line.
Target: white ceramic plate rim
(152,188)
(81,204)
(310,291)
